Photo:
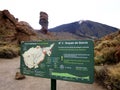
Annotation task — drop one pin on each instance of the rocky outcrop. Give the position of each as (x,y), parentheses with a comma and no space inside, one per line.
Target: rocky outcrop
(10,17)
(44,22)
(25,32)
(13,31)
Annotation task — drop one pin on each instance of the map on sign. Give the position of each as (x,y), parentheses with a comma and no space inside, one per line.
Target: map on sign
(70,60)
(35,55)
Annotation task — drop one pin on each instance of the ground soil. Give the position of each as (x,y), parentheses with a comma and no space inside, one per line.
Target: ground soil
(9,67)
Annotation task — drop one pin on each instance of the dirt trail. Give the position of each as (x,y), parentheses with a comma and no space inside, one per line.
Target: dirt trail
(8,68)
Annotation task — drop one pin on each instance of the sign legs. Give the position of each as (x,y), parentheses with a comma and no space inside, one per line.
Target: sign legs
(53,84)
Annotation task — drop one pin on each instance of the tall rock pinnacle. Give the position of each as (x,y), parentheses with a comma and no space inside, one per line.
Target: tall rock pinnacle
(43,21)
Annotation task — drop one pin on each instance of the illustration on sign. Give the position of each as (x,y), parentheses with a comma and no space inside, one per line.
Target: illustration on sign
(70,60)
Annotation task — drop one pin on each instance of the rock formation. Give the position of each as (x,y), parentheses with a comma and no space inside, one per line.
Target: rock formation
(10,17)
(43,21)
(25,32)
(11,30)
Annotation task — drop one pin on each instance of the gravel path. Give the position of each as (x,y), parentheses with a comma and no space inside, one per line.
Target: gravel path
(9,67)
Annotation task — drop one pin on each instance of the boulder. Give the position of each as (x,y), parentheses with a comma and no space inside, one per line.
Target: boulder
(19,76)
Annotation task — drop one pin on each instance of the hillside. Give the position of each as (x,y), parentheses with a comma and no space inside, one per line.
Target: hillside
(85,29)
(107,61)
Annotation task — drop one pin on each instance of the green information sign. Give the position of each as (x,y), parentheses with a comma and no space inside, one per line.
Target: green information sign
(70,60)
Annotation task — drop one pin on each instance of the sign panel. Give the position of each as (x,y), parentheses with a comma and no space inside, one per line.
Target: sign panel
(70,60)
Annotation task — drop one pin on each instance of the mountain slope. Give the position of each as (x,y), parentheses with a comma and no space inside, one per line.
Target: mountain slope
(107,61)
(85,29)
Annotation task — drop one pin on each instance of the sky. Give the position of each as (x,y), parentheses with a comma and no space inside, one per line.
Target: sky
(64,11)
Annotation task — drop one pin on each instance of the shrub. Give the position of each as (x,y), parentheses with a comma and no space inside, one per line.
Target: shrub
(9,51)
(108,76)
(99,60)
(106,56)
(109,55)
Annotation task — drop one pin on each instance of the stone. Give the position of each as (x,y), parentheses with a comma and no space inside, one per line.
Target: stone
(43,21)
(19,76)
(25,32)
(9,16)
(14,31)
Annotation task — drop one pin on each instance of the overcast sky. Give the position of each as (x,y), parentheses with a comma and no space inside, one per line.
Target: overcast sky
(64,11)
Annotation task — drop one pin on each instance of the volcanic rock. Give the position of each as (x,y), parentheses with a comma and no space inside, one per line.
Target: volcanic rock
(19,76)
(25,32)
(44,22)
(13,31)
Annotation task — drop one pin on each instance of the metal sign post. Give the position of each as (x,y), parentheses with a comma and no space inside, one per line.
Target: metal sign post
(53,84)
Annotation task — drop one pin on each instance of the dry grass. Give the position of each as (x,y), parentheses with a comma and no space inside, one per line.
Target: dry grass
(9,51)
(107,71)
(105,50)
(106,56)
(114,71)
(108,76)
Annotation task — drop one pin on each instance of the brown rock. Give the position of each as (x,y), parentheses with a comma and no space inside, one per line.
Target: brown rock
(44,22)
(9,16)
(7,26)
(12,31)
(25,32)
(44,15)
(19,76)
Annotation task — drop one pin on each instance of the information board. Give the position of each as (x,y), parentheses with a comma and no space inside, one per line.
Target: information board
(69,60)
